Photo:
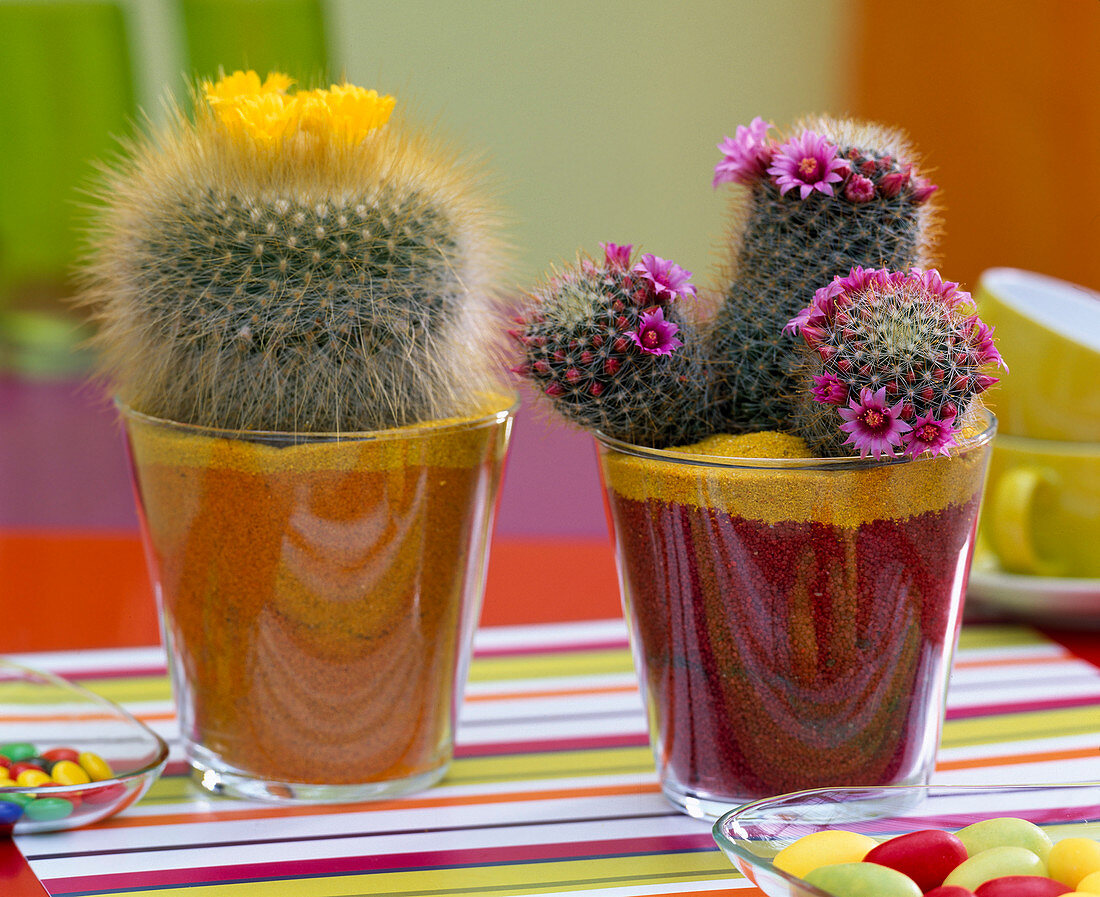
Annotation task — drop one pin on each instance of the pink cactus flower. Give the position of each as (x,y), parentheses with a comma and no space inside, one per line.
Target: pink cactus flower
(829,390)
(746,155)
(859,189)
(617,255)
(981,338)
(667,280)
(809,163)
(656,335)
(948,292)
(931,435)
(873,427)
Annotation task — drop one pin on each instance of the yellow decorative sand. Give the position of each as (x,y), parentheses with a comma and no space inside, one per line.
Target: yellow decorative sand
(771,477)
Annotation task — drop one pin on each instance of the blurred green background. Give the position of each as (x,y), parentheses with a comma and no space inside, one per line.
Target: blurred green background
(597,120)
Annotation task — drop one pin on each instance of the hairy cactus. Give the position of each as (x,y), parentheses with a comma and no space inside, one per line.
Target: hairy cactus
(891,362)
(602,341)
(837,194)
(290,261)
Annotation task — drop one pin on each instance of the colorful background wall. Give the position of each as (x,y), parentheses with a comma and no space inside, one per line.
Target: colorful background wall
(598,120)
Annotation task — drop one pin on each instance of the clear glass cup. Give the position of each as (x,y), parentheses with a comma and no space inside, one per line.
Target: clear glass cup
(318,596)
(792,621)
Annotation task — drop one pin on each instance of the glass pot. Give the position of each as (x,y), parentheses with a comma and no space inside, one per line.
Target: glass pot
(318,596)
(792,621)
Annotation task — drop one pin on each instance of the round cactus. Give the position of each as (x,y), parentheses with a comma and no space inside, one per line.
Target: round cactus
(891,363)
(606,343)
(290,261)
(835,195)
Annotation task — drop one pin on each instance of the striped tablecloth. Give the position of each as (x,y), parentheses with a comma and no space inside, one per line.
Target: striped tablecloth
(553,790)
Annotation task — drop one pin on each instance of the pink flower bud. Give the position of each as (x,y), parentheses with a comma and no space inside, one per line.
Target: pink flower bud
(612,365)
(541,367)
(572,375)
(554,390)
(890,185)
(596,388)
(983,381)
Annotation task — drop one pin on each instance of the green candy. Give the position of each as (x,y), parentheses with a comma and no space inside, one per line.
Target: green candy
(16,798)
(1005,831)
(997,862)
(48,809)
(18,750)
(863,880)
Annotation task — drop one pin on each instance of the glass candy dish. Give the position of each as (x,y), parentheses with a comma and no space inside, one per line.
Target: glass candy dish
(752,834)
(42,709)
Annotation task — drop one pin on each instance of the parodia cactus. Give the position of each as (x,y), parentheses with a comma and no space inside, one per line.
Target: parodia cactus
(288,261)
(834,196)
(604,342)
(896,362)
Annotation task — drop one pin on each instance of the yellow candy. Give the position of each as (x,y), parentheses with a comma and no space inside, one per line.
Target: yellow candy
(96,767)
(1090,884)
(825,848)
(65,772)
(6,781)
(32,778)
(1071,859)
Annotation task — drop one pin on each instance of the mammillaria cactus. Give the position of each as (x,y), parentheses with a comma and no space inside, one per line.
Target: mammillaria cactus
(892,362)
(603,342)
(290,261)
(835,195)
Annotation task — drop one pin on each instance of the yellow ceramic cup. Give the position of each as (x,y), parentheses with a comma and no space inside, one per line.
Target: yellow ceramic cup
(1049,334)
(1041,514)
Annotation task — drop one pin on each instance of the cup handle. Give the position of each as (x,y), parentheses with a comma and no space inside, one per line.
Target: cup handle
(1013,499)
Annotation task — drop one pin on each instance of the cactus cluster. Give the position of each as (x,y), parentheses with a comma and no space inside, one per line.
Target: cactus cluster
(834,195)
(291,261)
(603,341)
(896,361)
(834,220)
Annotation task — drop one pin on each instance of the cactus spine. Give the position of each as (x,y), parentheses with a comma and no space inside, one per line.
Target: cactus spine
(288,261)
(890,362)
(606,343)
(835,196)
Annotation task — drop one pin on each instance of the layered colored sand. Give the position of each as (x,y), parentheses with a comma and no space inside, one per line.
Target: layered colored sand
(316,597)
(793,627)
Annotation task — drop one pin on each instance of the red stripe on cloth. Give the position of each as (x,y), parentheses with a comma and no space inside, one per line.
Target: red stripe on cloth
(397,862)
(567,648)
(1017,707)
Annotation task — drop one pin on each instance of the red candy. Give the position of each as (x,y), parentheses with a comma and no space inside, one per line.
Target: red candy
(16,768)
(61,753)
(950,891)
(1022,886)
(926,856)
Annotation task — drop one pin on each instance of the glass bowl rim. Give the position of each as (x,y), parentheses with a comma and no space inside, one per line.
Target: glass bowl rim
(984,436)
(152,767)
(432,427)
(730,847)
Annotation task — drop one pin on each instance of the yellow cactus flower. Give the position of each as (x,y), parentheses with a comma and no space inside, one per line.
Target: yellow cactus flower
(264,112)
(263,117)
(242,84)
(355,111)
